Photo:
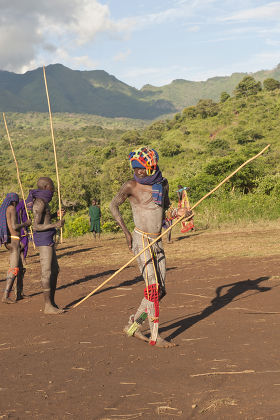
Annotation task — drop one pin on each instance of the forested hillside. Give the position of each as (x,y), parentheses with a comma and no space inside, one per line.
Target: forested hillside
(90,92)
(197,148)
(99,93)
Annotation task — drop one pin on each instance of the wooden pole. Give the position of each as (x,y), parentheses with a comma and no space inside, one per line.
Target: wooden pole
(172,226)
(18,176)
(54,149)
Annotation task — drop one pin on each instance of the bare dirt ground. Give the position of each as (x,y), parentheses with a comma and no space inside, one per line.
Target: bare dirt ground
(222,310)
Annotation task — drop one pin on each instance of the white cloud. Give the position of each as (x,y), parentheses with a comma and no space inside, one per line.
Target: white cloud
(194,28)
(270,11)
(122,55)
(273,43)
(30,30)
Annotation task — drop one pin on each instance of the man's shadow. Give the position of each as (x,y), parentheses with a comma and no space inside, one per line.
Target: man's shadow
(125,283)
(182,237)
(76,251)
(217,303)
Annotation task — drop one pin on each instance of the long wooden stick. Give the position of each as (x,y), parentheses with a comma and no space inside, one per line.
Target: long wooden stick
(54,150)
(172,226)
(18,176)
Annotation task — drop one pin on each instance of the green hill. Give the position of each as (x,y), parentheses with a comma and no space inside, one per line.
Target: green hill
(93,92)
(197,148)
(183,93)
(98,93)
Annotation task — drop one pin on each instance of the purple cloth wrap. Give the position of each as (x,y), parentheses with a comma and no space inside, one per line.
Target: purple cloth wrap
(156,181)
(45,195)
(45,237)
(21,212)
(3,218)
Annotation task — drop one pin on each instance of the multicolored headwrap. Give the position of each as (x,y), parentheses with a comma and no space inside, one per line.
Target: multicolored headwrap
(144,158)
(3,219)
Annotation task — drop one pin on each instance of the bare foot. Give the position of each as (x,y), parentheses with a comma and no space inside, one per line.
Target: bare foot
(7,300)
(163,343)
(137,334)
(52,310)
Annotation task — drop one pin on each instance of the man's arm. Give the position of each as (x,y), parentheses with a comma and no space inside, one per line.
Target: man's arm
(166,203)
(11,215)
(38,210)
(120,198)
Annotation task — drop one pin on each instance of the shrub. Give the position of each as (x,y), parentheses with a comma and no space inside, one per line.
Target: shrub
(248,86)
(271,84)
(224,97)
(246,136)
(76,226)
(218,147)
(110,226)
(171,149)
(207,108)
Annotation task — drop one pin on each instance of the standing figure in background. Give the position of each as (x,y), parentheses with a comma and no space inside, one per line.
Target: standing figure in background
(95,216)
(183,203)
(44,232)
(10,236)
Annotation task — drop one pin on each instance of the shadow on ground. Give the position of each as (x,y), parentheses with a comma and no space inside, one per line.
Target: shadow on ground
(217,303)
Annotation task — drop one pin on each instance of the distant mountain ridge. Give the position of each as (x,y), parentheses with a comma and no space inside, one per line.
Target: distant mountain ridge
(97,92)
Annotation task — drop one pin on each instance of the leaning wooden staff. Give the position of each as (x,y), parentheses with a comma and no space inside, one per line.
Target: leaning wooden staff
(18,176)
(54,150)
(172,226)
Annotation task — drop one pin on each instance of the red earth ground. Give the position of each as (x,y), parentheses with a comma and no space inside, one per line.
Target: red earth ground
(221,309)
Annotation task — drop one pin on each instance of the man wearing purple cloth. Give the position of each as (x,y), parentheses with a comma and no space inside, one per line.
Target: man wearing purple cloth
(10,237)
(44,232)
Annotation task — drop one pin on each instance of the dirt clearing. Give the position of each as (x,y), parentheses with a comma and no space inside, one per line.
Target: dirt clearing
(222,310)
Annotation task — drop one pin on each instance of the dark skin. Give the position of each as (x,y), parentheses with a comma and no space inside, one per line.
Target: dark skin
(42,222)
(13,245)
(132,190)
(148,217)
(42,213)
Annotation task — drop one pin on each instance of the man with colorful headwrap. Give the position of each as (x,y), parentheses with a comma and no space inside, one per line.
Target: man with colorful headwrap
(44,232)
(10,237)
(148,197)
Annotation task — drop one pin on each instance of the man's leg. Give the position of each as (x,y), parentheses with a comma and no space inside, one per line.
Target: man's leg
(150,265)
(19,284)
(54,275)
(12,272)
(46,260)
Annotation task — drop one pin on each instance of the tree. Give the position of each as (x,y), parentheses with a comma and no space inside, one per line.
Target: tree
(271,84)
(171,149)
(190,112)
(248,86)
(207,108)
(132,138)
(224,96)
(246,136)
(218,147)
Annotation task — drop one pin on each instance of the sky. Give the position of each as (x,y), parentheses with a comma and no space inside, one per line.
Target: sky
(142,41)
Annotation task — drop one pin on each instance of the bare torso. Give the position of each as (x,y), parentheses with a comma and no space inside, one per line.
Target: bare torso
(42,216)
(147,215)
(12,222)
